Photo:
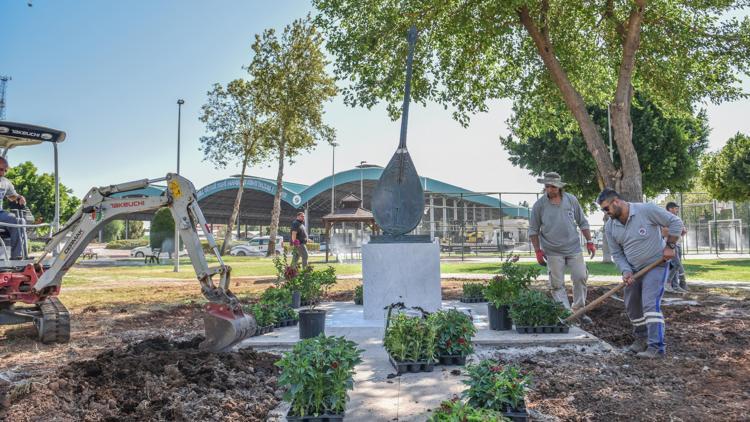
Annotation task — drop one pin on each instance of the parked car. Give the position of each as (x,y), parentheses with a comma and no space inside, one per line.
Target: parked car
(143,251)
(257,247)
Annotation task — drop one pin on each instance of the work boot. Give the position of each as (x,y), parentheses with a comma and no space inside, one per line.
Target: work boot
(586,320)
(669,289)
(683,283)
(680,290)
(640,345)
(650,353)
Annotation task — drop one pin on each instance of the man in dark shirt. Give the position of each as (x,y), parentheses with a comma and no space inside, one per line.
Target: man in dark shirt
(299,239)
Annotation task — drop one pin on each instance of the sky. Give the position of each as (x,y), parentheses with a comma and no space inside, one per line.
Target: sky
(109,73)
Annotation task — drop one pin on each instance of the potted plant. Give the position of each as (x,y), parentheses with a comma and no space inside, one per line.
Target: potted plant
(312,321)
(289,275)
(278,299)
(358,295)
(503,289)
(492,386)
(455,410)
(535,312)
(454,332)
(410,342)
(264,317)
(473,292)
(318,372)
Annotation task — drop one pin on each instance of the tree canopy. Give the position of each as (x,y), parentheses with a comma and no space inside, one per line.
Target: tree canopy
(669,150)
(162,229)
(39,191)
(553,58)
(726,173)
(289,74)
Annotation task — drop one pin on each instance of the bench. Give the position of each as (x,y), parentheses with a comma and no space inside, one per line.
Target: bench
(154,257)
(89,254)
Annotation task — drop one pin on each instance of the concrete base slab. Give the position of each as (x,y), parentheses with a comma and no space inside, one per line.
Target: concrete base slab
(412,397)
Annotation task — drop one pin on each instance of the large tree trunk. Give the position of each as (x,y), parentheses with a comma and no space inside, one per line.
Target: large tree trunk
(236,208)
(630,184)
(573,100)
(276,213)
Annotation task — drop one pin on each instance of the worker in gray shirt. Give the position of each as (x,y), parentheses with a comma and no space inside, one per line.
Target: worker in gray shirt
(553,230)
(635,241)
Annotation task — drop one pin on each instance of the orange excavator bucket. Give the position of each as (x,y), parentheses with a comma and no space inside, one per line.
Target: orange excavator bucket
(225,326)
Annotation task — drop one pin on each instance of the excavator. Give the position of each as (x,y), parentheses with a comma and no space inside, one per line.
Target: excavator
(29,288)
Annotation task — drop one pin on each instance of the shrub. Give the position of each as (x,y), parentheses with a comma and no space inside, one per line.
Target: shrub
(279,302)
(313,284)
(162,228)
(263,313)
(359,294)
(492,386)
(454,332)
(455,410)
(126,243)
(34,246)
(318,372)
(473,290)
(114,230)
(410,338)
(534,308)
(135,229)
(504,288)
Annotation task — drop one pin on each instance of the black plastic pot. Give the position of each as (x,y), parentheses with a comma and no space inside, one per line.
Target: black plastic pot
(472,299)
(404,367)
(312,322)
(499,318)
(296,299)
(319,418)
(519,414)
(543,329)
(452,360)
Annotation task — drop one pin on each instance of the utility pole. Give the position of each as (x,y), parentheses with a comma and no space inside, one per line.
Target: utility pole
(3,83)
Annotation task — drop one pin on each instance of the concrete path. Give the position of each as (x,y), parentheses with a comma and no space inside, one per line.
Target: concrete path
(378,394)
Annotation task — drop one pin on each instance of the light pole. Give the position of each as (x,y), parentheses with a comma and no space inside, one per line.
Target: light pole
(333,175)
(180,102)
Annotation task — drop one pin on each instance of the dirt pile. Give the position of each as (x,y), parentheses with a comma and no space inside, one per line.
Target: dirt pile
(705,376)
(156,379)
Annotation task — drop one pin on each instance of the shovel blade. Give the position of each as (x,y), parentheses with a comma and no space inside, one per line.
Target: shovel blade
(225,327)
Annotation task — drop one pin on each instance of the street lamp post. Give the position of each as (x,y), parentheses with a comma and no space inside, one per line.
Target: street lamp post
(180,102)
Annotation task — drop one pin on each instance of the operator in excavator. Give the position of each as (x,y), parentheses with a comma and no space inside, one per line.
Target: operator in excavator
(8,191)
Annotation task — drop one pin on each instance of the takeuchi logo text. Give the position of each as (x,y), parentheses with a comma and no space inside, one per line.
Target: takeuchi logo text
(128,204)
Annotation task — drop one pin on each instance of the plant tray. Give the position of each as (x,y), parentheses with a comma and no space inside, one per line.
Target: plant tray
(543,329)
(519,414)
(310,418)
(472,299)
(263,330)
(452,360)
(404,367)
(286,323)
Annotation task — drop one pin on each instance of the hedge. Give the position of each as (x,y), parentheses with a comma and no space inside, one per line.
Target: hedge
(126,243)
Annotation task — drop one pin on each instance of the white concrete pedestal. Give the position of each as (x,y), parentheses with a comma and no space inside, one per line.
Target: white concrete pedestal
(400,272)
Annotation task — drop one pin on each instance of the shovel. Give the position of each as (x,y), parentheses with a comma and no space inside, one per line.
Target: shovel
(612,291)
(398,200)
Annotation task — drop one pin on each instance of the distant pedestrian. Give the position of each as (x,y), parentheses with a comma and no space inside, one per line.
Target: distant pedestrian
(676,282)
(634,237)
(299,240)
(553,230)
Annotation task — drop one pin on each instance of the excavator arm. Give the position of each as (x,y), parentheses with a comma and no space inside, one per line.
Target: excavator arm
(225,323)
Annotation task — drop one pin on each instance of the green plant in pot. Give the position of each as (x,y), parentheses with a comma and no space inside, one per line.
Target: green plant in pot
(533,308)
(472,292)
(278,299)
(318,372)
(264,315)
(316,283)
(454,332)
(503,290)
(359,295)
(410,339)
(455,410)
(496,387)
(288,278)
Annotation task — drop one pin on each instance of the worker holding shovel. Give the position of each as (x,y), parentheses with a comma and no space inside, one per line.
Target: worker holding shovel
(635,239)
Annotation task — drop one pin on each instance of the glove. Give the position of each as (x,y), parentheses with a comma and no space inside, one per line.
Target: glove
(591,248)
(541,258)
(295,242)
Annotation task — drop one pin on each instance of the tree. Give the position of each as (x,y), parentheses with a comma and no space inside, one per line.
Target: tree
(135,229)
(39,191)
(162,229)
(726,173)
(113,230)
(231,117)
(553,58)
(669,149)
(289,73)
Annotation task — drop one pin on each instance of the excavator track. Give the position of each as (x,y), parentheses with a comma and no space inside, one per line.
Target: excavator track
(53,325)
